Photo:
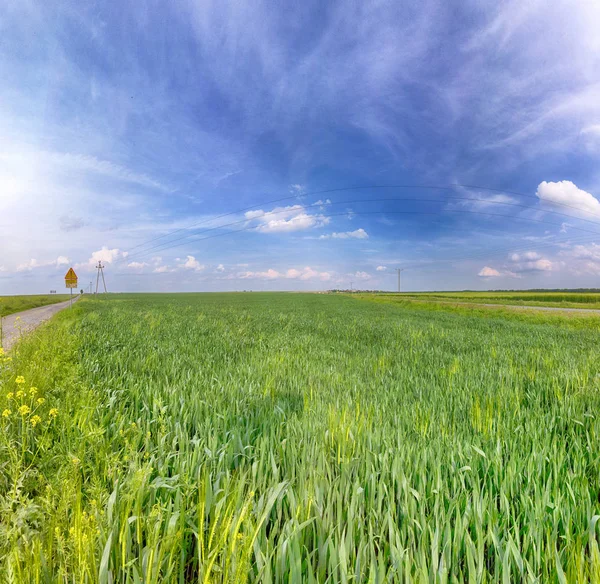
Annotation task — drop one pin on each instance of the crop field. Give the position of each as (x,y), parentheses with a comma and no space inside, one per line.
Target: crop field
(522,298)
(299,438)
(12,304)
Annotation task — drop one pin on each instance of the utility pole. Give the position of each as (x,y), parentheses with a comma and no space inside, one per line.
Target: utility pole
(351,285)
(100,269)
(399,270)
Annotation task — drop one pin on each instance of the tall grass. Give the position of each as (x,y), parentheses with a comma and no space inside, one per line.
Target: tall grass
(300,438)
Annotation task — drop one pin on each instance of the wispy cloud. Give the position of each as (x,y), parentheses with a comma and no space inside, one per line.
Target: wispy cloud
(356,234)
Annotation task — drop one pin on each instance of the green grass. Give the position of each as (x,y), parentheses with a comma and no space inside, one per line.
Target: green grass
(517,298)
(12,304)
(300,438)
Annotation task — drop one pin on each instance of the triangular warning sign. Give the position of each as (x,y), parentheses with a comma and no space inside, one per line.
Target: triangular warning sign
(71,275)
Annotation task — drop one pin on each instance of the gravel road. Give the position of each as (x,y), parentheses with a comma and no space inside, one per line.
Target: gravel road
(29,320)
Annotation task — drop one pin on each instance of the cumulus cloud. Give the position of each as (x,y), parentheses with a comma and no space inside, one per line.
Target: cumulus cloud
(137,265)
(381,268)
(357,234)
(269,274)
(590,251)
(361,275)
(161,270)
(487,272)
(527,256)
(191,263)
(567,193)
(220,268)
(104,255)
(306,273)
(286,219)
(32,264)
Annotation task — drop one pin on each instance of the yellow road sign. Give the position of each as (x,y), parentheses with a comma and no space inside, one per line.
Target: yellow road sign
(71,279)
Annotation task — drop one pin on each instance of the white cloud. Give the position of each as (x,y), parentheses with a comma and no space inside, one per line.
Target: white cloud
(361,275)
(269,274)
(33,264)
(28,266)
(527,256)
(104,255)
(539,265)
(191,263)
(381,268)
(357,234)
(297,188)
(286,219)
(566,193)
(83,163)
(594,130)
(161,270)
(590,251)
(220,268)
(487,272)
(137,265)
(306,273)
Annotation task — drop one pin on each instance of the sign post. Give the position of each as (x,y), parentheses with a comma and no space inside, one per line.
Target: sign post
(71,282)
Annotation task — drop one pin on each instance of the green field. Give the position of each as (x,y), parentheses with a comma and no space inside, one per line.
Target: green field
(12,304)
(300,438)
(562,299)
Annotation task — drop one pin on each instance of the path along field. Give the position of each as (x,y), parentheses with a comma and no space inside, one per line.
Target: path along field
(300,438)
(12,304)
(566,299)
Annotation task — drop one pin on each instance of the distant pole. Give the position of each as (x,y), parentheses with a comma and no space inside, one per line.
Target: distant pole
(351,286)
(71,298)
(100,269)
(399,270)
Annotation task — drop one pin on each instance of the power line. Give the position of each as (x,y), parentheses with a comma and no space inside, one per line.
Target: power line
(168,245)
(343,189)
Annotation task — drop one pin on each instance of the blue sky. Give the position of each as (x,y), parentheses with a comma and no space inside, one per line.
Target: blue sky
(123,122)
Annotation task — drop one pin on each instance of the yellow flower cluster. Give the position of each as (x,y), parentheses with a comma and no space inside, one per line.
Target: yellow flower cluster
(26,404)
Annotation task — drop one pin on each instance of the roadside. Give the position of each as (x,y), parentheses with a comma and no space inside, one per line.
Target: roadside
(19,323)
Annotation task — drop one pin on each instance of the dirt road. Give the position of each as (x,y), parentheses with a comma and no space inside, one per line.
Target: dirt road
(546,308)
(27,321)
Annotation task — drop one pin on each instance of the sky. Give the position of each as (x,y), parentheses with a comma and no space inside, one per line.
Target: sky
(204,146)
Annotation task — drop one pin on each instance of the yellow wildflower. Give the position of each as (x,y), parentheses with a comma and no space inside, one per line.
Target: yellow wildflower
(75,461)
(33,391)
(6,413)
(20,394)
(1,351)
(20,380)
(53,413)
(24,410)
(10,395)
(40,401)
(35,421)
